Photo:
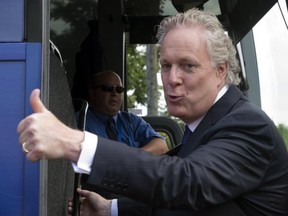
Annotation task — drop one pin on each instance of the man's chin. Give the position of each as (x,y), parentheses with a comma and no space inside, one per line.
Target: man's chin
(113,112)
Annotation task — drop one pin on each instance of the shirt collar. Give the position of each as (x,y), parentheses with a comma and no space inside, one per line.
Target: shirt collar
(192,126)
(104,118)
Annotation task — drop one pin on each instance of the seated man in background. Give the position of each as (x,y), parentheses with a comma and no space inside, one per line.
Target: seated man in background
(105,100)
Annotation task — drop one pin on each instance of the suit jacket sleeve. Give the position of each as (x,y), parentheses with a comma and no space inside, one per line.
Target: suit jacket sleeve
(209,175)
(223,160)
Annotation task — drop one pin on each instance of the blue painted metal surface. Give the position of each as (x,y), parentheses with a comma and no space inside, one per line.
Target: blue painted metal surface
(11,20)
(20,70)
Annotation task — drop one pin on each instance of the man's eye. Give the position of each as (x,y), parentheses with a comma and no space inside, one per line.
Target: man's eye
(165,67)
(188,66)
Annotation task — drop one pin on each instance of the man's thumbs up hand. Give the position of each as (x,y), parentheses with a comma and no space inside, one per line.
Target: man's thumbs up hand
(43,136)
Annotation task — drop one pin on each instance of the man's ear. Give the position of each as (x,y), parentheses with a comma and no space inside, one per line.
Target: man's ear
(222,70)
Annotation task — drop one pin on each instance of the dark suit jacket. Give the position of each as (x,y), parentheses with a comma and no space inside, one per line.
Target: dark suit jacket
(235,163)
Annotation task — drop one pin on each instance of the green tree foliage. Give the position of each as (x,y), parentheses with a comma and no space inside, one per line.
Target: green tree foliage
(284,132)
(136,80)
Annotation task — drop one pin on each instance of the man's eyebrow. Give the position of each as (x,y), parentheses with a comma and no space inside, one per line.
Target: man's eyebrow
(182,59)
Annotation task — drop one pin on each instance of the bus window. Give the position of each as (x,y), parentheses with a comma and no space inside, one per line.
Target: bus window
(270,35)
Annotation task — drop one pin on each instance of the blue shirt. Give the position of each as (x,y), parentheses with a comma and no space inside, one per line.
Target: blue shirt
(131,129)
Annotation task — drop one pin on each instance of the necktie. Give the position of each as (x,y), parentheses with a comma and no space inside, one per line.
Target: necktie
(187,133)
(111,128)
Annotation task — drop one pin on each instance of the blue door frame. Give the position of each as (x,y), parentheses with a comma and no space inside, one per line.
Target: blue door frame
(20,72)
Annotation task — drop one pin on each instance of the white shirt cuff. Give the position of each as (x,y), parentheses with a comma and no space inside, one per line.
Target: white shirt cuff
(114,207)
(86,157)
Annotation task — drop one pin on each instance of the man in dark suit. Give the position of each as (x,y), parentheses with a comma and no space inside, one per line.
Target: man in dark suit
(233,160)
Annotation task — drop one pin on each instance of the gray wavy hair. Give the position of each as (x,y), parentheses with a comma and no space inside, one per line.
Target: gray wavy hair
(220,45)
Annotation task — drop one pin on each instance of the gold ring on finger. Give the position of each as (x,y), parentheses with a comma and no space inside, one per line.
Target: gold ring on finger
(24,147)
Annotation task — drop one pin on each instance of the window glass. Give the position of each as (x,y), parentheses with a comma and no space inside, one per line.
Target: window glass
(271,44)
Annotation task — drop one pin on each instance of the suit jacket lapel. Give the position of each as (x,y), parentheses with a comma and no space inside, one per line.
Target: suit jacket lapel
(217,111)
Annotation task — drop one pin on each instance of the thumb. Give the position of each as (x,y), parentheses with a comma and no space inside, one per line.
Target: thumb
(35,102)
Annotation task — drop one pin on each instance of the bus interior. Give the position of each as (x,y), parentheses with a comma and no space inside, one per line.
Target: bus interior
(57,45)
